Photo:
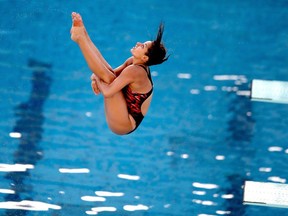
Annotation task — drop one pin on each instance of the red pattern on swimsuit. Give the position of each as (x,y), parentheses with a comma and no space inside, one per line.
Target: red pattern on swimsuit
(134,102)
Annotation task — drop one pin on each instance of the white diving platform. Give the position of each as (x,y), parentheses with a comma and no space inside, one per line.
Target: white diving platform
(266,194)
(269,91)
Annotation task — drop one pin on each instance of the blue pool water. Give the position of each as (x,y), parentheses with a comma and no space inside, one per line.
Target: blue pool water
(202,137)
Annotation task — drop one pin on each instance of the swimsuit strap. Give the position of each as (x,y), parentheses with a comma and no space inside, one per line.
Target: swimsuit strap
(147,69)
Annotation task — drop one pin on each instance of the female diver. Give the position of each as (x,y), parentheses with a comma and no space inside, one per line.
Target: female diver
(127,90)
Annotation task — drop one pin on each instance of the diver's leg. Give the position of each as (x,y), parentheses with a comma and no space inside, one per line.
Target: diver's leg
(117,116)
(94,59)
(79,22)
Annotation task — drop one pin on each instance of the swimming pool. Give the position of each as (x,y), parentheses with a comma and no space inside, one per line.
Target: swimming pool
(202,137)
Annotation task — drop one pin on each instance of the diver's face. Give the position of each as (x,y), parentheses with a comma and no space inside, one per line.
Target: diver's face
(141,49)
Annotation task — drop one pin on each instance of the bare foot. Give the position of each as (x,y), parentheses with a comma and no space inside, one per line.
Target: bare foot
(77,19)
(78,30)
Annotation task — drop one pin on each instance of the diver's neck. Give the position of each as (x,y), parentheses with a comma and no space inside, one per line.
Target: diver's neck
(138,61)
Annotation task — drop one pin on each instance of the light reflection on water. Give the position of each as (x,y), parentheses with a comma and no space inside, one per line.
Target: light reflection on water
(93,198)
(76,170)
(129,177)
(15,167)
(7,191)
(109,194)
(28,205)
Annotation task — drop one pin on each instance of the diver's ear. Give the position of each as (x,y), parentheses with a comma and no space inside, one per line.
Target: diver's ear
(145,58)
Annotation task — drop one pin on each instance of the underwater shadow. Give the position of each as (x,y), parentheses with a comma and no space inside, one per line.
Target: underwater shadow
(240,133)
(29,123)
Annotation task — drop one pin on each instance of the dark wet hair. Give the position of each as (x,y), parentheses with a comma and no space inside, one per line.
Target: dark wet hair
(157,51)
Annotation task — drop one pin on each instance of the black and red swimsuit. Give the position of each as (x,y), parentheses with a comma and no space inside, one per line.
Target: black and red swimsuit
(134,101)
